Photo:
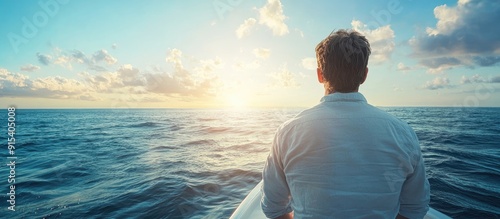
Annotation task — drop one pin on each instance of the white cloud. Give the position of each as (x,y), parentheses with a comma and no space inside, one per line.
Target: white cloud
(164,83)
(441,68)
(272,16)
(64,61)
(8,79)
(184,81)
(58,84)
(402,67)
(479,79)
(19,85)
(103,55)
(174,56)
(448,18)
(103,83)
(462,36)
(245,28)
(309,63)
(196,82)
(29,68)
(130,76)
(437,83)
(284,79)
(209,65)
(381,40)
(262,53)
(180,74)
(93,61)
(80,57)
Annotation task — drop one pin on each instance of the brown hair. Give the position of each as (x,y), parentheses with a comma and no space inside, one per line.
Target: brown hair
(343,58)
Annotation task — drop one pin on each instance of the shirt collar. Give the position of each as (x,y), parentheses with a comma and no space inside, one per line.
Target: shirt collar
(344,97)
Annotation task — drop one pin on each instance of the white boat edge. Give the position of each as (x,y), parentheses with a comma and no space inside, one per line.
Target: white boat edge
(250,208)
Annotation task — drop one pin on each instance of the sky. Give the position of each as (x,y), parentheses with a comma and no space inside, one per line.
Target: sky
(242,53)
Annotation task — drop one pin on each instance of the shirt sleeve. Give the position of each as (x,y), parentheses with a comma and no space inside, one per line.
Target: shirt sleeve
(415,194)
(275,192)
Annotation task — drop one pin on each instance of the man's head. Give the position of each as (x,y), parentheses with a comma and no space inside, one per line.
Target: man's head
(342,61)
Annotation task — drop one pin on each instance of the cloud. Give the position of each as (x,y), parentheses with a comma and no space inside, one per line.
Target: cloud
(272,16)
(262,53)
(479,79)
(464,33)
(199,81)
(164,83)
(402,67)
(284,79)
(58,87)
(495,79)
(183,81)
(381,40)
(8,79)
(44,59)
(66,59)
(209,65)
(437,83)
(174,56)
(103,55)
(474,79)
(29,68)
(93,61)
(438,65)
(244,29)
(180,82)
(19,85)
(309,63)
(486,60)
(130,76)
(102,83)
(180,74)
(80,57)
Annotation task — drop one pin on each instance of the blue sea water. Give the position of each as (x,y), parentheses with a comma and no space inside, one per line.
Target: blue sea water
(193,163)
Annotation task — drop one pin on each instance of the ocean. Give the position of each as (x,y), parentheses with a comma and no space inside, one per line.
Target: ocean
(201,163)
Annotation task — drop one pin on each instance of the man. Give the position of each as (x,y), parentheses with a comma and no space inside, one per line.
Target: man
(344,158)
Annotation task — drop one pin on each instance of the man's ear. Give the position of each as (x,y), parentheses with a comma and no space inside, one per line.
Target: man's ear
(319,73)
(365,76)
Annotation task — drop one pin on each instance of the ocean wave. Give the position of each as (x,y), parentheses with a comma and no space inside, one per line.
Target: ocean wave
(146,124)
(214,130)
(202,163)
(202,142)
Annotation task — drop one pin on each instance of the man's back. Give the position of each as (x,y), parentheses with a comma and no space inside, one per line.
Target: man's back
(345,159)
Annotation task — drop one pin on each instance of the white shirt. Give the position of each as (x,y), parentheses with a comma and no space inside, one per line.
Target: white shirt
(344,158)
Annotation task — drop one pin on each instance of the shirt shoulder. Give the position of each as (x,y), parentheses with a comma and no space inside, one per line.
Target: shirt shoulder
(324,112)
(361,114)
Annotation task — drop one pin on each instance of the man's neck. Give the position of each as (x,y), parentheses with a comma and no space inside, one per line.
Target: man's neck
(328,91)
